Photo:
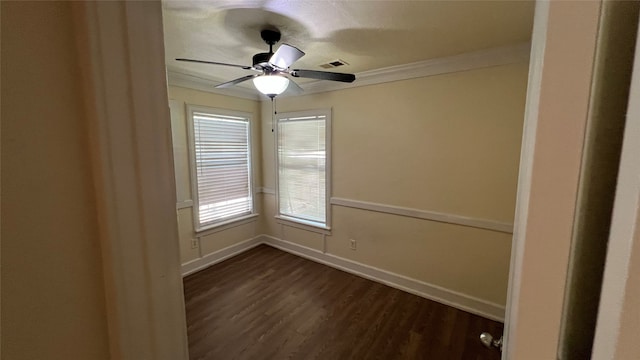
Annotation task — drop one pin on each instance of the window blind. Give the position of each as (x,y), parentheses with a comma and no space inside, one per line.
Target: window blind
(222,163)
(302,168)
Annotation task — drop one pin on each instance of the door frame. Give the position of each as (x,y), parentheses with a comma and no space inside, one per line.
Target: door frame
(623,253)
(558,99)
(536,62)
(121,56)
(121,50)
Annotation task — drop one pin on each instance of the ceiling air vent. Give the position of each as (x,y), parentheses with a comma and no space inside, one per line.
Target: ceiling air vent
(334,64)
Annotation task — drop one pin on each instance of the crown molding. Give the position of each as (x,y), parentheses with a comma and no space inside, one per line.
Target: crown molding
(463,62)
(497,56)
(198,82)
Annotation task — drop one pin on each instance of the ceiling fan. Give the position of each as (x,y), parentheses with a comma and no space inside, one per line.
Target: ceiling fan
(273,68)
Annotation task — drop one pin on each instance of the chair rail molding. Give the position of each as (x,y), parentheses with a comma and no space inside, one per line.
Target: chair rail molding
(426,215)
(478,223)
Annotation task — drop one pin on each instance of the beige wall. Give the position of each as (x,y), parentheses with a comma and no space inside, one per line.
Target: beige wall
(211,242)
(448,143)
(53,304)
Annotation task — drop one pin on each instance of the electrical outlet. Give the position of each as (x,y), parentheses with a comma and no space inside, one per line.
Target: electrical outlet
(194,243)
(352,244)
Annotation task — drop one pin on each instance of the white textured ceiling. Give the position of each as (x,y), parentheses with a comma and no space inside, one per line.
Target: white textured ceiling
(366,34)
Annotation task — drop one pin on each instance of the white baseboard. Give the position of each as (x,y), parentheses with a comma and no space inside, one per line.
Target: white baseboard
(452,298)
(219,256)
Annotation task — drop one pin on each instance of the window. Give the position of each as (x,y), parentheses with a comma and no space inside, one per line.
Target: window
(303,161)
(221,166)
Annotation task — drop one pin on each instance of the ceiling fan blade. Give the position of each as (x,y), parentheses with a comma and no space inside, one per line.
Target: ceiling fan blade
(285,56)
(234,82)
(294,88)
(217,63)
(323,75)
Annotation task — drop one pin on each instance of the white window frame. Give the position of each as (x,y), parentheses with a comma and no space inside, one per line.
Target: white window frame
(191,109)
(292,221)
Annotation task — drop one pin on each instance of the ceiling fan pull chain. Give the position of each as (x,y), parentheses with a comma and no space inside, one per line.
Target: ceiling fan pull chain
(273,112)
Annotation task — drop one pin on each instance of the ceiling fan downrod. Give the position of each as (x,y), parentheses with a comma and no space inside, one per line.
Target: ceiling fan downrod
(271,37)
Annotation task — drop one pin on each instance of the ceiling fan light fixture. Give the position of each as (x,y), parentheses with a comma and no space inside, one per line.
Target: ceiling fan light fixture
(271,85)
(273,66)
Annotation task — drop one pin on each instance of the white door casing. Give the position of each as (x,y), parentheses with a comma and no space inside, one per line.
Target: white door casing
(121,52)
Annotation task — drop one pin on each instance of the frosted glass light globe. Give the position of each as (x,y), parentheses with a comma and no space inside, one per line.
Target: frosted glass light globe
(271,85)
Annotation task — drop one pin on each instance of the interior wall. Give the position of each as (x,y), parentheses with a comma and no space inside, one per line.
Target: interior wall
(618,322)
(553,153)
(618,25)
(53,301)
(208,241)
(448,143)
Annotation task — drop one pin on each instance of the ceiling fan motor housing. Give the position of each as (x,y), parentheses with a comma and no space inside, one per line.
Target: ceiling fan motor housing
(269,36)
(261,60)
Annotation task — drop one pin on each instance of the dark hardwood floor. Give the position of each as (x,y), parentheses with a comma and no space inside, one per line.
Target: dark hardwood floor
(268,304)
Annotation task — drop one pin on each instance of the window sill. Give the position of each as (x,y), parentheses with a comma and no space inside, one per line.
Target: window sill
(212,229)
(304,225)
(184,204)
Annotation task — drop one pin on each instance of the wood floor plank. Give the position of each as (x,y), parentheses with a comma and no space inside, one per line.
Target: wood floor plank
(268,304)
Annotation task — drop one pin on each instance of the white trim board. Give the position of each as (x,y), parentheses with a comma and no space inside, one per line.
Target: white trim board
(538,46)
(244,220)
(184,204)
(264,190)
(534,85)
(219,256)
(425,215)
(454,219)
(197,82)
(512,54)
(436,293)
(120,54)
(450,64)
